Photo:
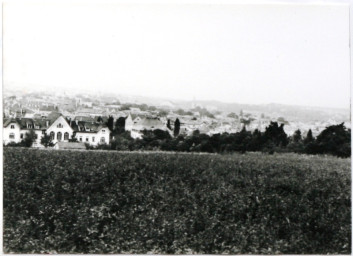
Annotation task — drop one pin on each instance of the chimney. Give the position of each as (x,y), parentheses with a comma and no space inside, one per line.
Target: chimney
(47,123)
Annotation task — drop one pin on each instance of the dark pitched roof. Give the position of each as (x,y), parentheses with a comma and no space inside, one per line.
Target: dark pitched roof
(84,118)
(39,122)
(151,124)
(24,122)
(53,116)
(8,121)
(82,126)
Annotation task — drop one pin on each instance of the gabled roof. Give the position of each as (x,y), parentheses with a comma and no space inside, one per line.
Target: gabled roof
(134,116)
(8,121)
(24,122)
(82,126)
(151,124)
(53,116)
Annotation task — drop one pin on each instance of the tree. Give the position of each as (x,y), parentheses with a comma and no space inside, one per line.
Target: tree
(30,137)
(297,136)
(296,145)
(242,140)
(99,119)
(73,138)
(125,107)
(121,142)
(110,123)
(120,125)
(143,107)
(246,121)
(46,141)
(232,115)
(176,127)
(161,134)
(282,120)
(256,141)
(310,145)
(275,134)
(168,125)
(163,112)
(152,108)
(309,137)
(335,140)
(180,112)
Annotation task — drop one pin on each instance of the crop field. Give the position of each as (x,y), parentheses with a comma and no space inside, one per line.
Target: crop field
(111,202)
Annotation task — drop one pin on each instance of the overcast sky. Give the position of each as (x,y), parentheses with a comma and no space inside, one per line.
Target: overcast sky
(291,54)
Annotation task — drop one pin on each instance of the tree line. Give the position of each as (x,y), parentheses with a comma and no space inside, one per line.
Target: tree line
(333,140)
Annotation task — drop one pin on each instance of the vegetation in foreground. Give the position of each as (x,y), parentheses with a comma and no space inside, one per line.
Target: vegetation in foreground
(110,202)
(333,140)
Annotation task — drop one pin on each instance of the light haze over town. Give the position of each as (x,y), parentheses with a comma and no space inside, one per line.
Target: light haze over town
(289,54)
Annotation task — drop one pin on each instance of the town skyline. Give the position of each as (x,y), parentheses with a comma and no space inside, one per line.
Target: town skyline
(37,104)
(139,98)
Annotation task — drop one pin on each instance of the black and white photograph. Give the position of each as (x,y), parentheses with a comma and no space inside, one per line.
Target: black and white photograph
(177,127)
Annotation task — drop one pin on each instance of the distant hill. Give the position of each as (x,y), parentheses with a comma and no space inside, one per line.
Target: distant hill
(290,112)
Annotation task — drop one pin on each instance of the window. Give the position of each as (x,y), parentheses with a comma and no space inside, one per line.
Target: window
(103,131)
(80,138)
(59,136)
(43,132)
(87,139)
(21,135)
(59,125)
(30,126)
(36,136)
(12,126)
(66,136)
(12,136)
(102,140)
(93,139)
(52,135)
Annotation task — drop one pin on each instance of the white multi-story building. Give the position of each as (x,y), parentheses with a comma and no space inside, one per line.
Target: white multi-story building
(59,129)
(101,135)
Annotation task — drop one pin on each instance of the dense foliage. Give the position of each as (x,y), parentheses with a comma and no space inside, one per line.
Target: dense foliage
(334,140)
(110,202)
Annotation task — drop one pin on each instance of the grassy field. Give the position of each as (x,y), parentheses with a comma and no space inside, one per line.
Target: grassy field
(111,202)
